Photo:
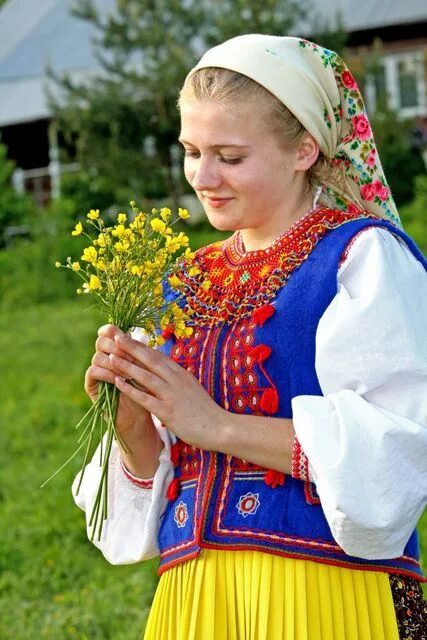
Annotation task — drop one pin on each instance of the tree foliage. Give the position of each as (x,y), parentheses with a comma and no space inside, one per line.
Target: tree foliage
(125,121)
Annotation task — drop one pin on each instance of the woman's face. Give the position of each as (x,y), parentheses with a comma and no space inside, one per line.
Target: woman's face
(243,178)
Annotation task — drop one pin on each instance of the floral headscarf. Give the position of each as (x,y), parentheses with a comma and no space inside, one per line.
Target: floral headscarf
(315,84)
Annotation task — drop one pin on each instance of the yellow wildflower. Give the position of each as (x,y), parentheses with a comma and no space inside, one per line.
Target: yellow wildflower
(89,254)
(183,214)
(119,231)
(75,266)
(158,225)
(160,340)
(165,214)
(121,218)
(78,229)
(189,254)
(164,322)
(121,247)
(79,292)
(177,242)
(176,310)
(101,240)
(149,266)
(93,214)
(194,271)
(158,291)
(137,270)
(93,284)
(174,281)
(100,264)
(182,331)
(57,264)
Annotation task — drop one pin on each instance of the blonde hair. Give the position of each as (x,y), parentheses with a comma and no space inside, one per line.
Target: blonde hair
(224,86)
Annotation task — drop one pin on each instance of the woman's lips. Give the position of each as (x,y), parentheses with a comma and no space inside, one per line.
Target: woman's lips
(217,202)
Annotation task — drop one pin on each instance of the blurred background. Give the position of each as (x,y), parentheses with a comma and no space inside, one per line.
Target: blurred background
(88,119)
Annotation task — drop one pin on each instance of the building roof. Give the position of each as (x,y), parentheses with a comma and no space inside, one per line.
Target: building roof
(371,14)
(34,34)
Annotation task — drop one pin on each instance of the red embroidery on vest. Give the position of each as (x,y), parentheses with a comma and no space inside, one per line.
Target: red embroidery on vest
(240,282)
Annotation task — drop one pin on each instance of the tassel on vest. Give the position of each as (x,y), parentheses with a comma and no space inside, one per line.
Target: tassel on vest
(262,314)
(274,478)
(173,490)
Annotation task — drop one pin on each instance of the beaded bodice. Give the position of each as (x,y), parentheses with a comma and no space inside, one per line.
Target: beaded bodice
(224,282)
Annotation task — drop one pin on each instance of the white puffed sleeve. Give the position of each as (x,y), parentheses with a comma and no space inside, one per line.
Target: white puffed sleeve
(130,532)
(366,439)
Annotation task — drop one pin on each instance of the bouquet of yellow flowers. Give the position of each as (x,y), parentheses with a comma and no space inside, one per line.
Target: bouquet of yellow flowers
(126,266)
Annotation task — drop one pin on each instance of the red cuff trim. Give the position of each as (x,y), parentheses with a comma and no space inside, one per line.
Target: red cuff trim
(139,482)
(300,469)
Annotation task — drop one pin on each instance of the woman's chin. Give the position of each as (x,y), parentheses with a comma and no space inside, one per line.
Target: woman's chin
(221,223)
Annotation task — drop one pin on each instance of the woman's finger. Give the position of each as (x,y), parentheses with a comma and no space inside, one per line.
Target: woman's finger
(107,345)
(146,400)
(144,378)
(149,358)
(109,331)
(101,359)
(96,374)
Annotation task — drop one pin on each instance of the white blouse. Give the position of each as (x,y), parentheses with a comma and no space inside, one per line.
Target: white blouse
(365,438)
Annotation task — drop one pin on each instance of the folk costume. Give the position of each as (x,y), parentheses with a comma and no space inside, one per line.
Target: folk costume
(322,327)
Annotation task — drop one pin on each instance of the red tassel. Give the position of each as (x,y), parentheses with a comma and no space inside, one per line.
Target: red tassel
(168,332)
(175,453)
(173,490)
(260,353)
(269,402)
(274,478)
(262,314)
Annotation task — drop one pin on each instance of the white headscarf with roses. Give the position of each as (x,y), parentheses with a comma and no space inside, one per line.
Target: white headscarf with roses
(317,87)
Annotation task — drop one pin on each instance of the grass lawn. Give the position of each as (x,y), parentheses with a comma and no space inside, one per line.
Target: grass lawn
(53,583)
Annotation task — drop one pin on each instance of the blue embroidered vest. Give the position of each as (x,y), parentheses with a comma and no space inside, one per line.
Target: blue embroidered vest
(253,348)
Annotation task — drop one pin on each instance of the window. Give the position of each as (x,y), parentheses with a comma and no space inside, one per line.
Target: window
(400,79)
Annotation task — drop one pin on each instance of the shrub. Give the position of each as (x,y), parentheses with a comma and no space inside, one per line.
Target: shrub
(14,208)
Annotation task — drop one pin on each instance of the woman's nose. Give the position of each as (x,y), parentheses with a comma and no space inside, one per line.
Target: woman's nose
(206,176)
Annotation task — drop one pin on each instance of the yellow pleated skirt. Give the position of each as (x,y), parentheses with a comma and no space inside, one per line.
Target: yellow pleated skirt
(250,595)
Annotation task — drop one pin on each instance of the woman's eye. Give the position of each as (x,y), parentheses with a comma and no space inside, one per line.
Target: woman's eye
(191,154)
(231,160)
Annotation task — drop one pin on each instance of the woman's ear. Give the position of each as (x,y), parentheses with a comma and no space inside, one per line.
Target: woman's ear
(307,153)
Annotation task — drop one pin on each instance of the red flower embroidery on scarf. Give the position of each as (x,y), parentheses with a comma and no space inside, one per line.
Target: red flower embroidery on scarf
(348,80)
(367,191)
(361,127)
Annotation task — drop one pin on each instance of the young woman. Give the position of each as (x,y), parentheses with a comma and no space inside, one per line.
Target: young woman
(278,458)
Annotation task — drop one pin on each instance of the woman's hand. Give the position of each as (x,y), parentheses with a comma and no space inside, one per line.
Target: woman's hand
(167,390)
(133,420)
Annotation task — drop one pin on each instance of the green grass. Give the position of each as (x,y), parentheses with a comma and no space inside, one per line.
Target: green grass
(54,584)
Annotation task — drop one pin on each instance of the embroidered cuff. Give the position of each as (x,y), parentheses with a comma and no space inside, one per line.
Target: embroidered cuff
(300,468)
(139,482)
